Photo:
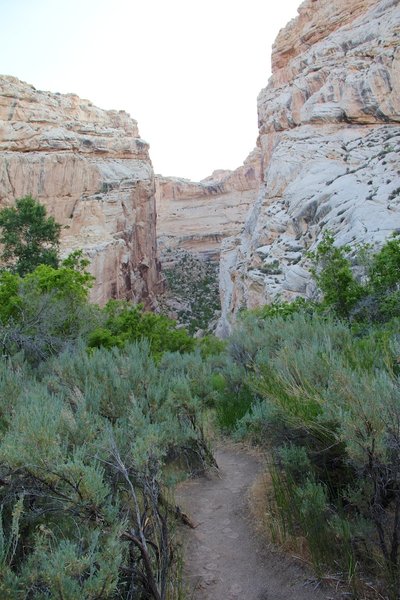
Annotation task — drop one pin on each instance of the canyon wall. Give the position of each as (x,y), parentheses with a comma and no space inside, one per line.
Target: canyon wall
(92,171)
(196,217)
(329,134)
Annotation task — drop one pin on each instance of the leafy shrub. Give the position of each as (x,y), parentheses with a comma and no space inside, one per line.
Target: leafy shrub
(211,346)
(47,310)
(374,296)
(283,309)
(124,322)
(332,272)
(384,271)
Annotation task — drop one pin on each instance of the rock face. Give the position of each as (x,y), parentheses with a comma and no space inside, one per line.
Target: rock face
(329,133)
(93,172)
(197,216)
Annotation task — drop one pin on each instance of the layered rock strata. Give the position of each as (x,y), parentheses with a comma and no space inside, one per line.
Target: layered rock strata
(329,125)
(196,217)
(92,171)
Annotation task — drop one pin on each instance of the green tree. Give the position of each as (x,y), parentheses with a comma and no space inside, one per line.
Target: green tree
(332,272)
(28,236)
(384,281)
(385,267)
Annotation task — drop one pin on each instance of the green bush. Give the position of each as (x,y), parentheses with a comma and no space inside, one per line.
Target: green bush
(85,443)
(325,401)
(282,309)
(46,311)
(124,322)
(211,346)
(384,270)
(332,272)
(234,398)
(375,295)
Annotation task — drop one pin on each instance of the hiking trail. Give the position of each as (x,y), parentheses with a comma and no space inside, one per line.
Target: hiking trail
(225,559)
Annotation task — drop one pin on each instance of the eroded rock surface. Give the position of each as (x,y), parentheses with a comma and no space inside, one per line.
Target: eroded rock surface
(197,216)
(93,172)
(329,124)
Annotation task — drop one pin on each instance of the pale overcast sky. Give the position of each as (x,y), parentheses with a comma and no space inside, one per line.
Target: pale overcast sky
(188,71)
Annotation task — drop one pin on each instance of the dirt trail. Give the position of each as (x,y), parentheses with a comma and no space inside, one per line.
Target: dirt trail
(224,560)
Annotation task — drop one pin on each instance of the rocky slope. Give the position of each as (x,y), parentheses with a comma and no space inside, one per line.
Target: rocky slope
(329,125)
(93,172)
(196,217)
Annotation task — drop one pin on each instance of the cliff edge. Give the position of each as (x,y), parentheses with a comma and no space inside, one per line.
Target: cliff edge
(92,171)
(329,134)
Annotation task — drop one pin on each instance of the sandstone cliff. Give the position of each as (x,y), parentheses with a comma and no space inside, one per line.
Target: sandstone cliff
(329,134)
(197,216)
(93,172)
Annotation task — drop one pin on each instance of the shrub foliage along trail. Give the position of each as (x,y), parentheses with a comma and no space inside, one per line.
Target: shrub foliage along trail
(85,441)
(101,410)
(318,385)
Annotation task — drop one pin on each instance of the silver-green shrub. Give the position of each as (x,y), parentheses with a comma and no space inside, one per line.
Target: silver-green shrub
(326,401)
(85,441)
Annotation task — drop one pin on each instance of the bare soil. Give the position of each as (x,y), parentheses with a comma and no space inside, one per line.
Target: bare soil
(225,559)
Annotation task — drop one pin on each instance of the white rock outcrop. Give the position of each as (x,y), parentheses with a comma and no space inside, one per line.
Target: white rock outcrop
(93,172)
(329,134)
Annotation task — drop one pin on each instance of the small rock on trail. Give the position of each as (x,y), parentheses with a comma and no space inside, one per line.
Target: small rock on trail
(224,559)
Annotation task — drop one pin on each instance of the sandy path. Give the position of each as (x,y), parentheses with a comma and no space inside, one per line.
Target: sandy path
(224,560)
